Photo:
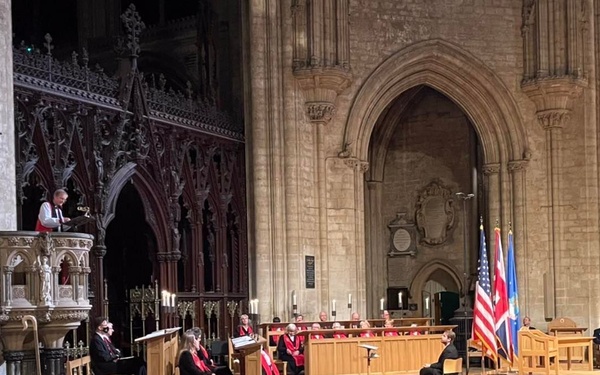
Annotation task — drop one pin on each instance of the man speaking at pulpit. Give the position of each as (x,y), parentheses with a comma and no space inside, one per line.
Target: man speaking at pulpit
(50,217)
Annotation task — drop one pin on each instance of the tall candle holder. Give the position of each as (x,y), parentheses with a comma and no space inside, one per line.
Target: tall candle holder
(231,309)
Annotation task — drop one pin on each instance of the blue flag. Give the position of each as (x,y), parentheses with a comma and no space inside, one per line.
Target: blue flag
(513,298)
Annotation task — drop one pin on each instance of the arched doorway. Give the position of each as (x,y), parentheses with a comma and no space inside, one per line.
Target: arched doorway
(131,245)
(484,101)
(427,151)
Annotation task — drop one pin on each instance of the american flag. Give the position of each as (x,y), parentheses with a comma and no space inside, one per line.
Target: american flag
(483,312)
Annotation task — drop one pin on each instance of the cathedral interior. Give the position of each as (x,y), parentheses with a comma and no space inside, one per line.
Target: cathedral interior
(246,156)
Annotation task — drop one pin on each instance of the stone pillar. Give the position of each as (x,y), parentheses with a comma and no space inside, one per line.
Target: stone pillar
(14,359)
(8,207)
(52,360)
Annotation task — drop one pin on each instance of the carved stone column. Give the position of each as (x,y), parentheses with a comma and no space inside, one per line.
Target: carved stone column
(492,189)
(376,261)
(517,169)
(555,41)
(52,360)
(14,360)
(321,61)
(8,210)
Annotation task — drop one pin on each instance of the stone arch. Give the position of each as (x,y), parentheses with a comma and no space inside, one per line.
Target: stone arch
(484,99)
(423,275)
(475,89)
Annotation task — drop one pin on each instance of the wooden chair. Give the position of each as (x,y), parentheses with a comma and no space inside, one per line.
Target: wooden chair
(537,351)
(77,366)
(474,350)
(453,366)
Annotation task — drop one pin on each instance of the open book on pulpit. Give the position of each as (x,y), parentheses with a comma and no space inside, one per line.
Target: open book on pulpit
(161,351)
(71,225)
(247,351)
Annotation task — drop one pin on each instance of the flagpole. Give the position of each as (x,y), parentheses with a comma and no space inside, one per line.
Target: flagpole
(464,198)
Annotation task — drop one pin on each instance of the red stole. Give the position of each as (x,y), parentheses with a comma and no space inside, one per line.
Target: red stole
(316,337)
(267,364)
(391,333)
(199,363)
(340,336)
(205,355)
(245,332)
(366,334)
(415,333)
(38,224)
(292,347)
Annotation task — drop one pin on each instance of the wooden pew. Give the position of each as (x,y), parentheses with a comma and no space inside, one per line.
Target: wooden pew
(404,354)
(537,351)
(274,330)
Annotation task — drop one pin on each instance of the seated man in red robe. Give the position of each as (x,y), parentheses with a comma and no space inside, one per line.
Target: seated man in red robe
(290,350)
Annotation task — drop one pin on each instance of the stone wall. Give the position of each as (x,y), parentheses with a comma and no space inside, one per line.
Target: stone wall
(8,206)
(542,180)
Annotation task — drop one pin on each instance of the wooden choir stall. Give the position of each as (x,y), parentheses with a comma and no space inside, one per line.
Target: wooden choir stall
(161,351)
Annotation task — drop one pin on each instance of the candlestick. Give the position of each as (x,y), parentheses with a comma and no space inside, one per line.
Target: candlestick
(381,304)
(400,300)
(173,300)
(349,298)
(333,305)
(294,302)
(427,303)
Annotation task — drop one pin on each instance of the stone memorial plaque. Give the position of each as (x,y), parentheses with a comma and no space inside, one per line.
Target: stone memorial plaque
(309,269)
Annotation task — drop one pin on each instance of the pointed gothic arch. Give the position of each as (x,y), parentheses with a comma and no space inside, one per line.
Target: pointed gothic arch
(485,100)
(454,72)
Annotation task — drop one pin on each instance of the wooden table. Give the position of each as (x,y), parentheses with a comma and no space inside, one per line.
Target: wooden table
(570,342)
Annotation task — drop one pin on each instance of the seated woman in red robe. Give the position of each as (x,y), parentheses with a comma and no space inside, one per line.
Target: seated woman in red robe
(390,324)
(414,332)
(316,327)
(338,335)
(290,350)
(364,325)
(244,329)
(189,361)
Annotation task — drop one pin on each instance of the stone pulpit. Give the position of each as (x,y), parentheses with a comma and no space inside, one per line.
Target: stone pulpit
(44,275)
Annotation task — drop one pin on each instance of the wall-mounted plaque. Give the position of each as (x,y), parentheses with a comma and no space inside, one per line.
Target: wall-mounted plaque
(402,236)
(309,269)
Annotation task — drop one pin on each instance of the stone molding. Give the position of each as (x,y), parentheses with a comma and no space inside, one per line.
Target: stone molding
(517,165)
(321,87)
(554,99)
(356,164)
(491,168)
